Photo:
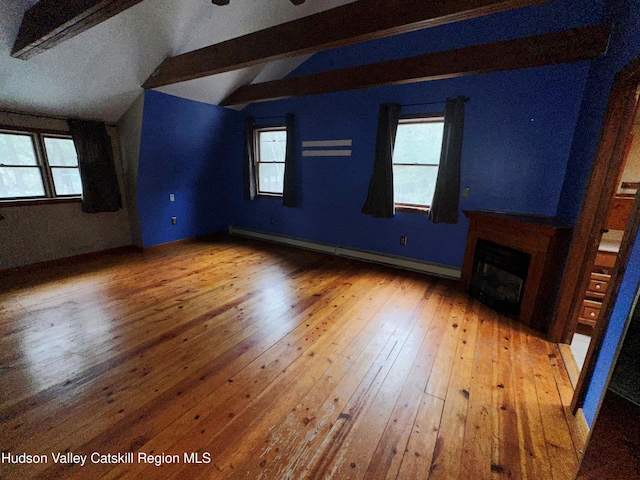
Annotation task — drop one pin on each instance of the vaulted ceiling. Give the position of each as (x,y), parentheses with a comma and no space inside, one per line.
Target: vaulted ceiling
(98,73)
(89,58)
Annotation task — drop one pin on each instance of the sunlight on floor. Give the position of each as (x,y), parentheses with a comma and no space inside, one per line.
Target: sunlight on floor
(579,348)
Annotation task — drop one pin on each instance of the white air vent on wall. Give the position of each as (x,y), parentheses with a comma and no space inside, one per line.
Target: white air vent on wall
(326,148)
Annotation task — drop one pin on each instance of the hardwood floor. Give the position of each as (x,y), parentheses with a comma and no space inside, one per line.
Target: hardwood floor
(271,363)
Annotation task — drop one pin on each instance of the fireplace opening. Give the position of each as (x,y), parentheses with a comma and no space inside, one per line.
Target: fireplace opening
(499,275)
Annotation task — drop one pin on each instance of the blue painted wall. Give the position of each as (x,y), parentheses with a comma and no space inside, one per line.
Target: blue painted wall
(624,46)
(518,133)
(183,151)
(617,324)
(548,17)
(529,142)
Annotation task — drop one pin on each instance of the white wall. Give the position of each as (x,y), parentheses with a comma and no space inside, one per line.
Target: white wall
(38,233)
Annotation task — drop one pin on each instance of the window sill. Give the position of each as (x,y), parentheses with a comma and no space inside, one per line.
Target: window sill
(418,210)
(270,195)
(28,202)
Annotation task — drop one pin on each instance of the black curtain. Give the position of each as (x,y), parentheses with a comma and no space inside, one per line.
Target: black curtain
(379,201)
(250,179)
(446,198)
(289,190)
(100,189)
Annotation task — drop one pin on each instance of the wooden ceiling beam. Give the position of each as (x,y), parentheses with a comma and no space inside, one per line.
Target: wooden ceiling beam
(355,22)
(558,47)
(50,22)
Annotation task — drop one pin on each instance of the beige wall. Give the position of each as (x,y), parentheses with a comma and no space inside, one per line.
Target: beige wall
(38,233)
(130,128)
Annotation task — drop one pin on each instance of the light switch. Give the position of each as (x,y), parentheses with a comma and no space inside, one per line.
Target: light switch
(172,197)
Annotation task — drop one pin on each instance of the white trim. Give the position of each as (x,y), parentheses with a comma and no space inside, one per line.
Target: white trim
(326,143)
(439,270)
(326,153)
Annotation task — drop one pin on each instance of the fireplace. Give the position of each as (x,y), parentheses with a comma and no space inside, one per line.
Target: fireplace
(512,263)
(499,275)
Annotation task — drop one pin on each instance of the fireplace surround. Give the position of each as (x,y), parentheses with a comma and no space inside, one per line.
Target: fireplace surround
(506,241)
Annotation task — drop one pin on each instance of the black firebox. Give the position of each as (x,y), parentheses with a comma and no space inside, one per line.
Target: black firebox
(499,275)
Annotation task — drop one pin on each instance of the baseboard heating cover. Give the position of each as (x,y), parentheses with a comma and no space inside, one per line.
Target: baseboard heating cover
(439,270)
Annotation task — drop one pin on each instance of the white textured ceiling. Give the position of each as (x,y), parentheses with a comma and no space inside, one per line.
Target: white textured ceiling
(97,74)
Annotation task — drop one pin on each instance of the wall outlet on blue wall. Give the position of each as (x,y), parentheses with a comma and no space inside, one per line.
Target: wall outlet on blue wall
(174,220)
(403,240)
(172,197)
(273,221)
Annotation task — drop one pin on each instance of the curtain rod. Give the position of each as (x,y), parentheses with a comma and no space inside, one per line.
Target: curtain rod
(48,117)
(420,104)
(402,104)
(466,99)
(267,118)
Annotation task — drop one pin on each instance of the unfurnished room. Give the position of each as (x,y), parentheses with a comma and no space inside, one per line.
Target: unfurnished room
(293,239)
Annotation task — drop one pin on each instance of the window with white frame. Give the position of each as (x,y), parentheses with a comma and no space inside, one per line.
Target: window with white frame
(270,150)
(416,159)
(36,165)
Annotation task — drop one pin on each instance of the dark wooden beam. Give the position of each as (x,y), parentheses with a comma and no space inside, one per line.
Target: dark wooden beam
(355,22)
(558,47)
(50,22)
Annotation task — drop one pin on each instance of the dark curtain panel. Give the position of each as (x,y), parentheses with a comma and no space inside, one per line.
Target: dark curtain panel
(250,178)
(289,191)
(379,201)
(100,189)
(446,198)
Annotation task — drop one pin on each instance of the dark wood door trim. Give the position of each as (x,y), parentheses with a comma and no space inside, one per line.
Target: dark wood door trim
(617,125)
(595,207)
(607,308)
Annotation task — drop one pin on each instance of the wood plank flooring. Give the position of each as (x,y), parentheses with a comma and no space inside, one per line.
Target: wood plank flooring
(264,362)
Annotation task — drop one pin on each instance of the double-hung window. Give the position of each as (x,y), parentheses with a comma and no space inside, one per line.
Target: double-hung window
(38,165)
(270,145)
(416,159)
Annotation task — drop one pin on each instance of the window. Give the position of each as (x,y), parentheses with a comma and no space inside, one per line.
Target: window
(270,149)
(63,162)
(416,158)
(37,165)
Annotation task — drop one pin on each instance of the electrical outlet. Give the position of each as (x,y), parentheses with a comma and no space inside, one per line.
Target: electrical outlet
(465,192)
(273,221)
(174,220)
(403,240)
(172,197)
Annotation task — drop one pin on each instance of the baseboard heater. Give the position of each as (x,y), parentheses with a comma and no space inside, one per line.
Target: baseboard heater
(436,269)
